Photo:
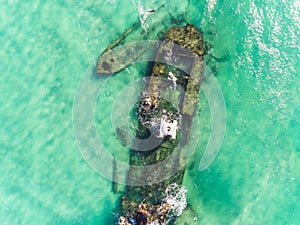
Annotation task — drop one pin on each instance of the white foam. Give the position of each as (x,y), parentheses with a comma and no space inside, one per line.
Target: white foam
(176,198)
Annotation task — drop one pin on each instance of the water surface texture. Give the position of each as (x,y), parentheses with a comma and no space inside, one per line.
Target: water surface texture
(48,46)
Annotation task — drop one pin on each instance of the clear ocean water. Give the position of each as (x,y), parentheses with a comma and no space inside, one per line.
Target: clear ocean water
(48,46)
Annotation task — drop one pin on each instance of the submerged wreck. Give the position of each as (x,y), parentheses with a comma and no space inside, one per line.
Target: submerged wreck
(169,124)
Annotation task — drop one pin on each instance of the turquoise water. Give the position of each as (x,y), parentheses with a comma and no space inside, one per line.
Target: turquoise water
(47,47)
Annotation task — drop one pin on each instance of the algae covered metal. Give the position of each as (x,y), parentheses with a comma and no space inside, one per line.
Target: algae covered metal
(189,38)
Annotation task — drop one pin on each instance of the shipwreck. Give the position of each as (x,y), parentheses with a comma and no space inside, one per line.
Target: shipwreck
(167,123)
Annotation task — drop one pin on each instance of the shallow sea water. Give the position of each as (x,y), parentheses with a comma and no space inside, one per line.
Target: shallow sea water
(47,47)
